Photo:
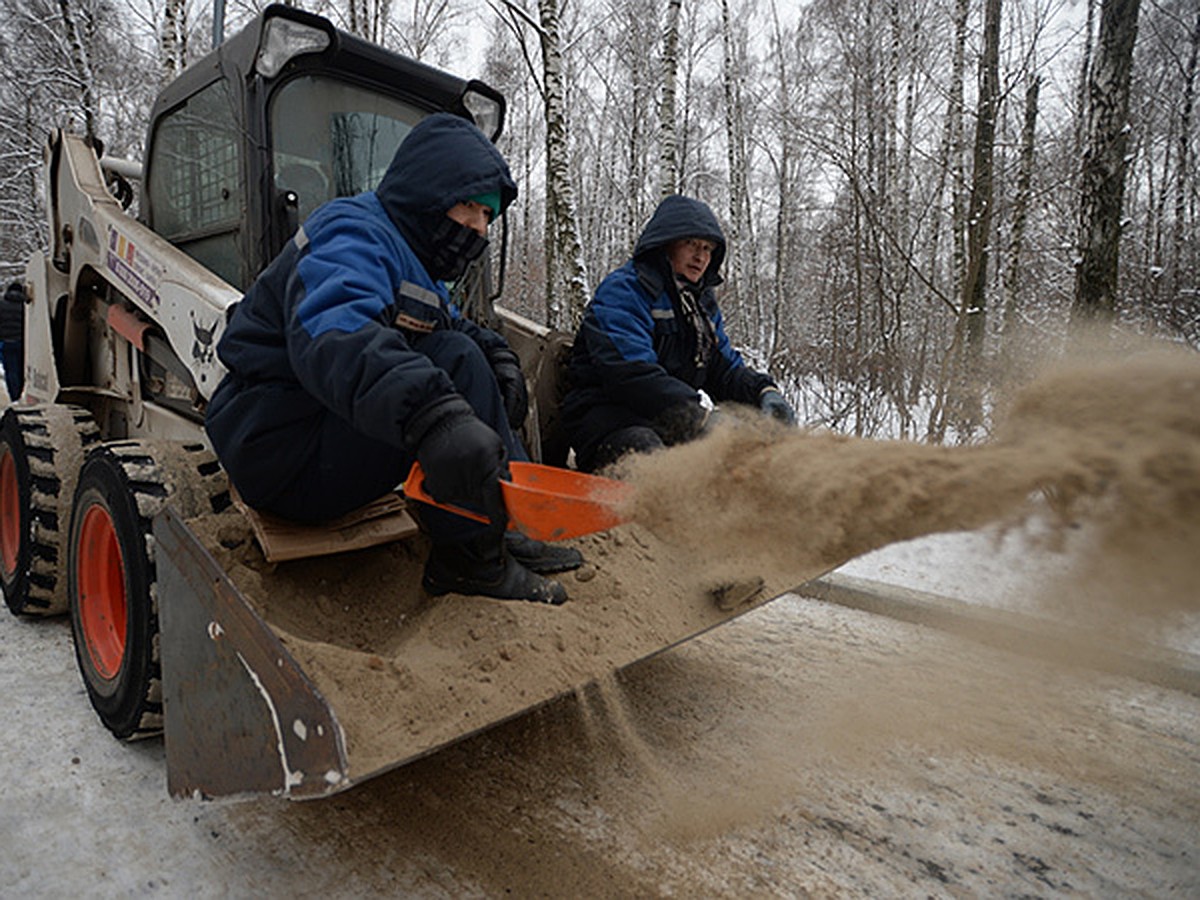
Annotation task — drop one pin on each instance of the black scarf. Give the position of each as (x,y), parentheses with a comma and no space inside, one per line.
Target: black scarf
(444,247)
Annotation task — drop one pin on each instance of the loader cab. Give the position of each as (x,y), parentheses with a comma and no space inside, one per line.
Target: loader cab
(285,115)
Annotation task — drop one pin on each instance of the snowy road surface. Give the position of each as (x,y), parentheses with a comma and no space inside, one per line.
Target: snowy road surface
(804,749)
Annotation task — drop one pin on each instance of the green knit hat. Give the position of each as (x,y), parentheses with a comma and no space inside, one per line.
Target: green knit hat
(491,200)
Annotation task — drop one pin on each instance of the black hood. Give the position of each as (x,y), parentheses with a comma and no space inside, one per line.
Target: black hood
(679,217)
(444,160)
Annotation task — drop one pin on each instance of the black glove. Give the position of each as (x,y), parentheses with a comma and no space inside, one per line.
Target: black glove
(511,380)
(771,402)
(463,460)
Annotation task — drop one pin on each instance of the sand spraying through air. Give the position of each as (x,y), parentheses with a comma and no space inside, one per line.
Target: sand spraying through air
(1114,443)
(1113,446)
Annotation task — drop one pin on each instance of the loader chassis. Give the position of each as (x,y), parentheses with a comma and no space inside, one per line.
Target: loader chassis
(125,313)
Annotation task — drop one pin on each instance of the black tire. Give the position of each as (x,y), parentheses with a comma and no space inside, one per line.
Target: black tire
(111,571)
(40,451)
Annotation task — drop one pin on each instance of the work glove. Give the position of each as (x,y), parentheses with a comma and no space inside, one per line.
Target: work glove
(464,460)
(771,402)
(511,381)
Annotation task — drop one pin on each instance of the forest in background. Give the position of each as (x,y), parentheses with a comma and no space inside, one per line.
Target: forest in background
(919,196)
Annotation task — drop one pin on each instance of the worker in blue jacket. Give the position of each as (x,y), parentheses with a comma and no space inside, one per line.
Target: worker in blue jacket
(652,339)
(346,362)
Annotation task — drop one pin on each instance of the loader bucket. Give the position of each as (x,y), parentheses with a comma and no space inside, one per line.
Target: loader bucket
(260,702)
(239,716)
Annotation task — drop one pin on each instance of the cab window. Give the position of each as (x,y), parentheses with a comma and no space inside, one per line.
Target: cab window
(194,171)
(334,139)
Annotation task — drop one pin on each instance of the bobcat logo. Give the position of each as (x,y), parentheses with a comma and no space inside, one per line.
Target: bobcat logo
(202,345)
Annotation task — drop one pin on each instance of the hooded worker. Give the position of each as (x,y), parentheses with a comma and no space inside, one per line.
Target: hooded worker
(346,362)
(652,339)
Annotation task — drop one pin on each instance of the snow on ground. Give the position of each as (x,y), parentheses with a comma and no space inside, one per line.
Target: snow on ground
(1008,570)
(985,567)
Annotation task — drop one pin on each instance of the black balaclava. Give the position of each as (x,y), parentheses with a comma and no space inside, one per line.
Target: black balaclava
(451,248)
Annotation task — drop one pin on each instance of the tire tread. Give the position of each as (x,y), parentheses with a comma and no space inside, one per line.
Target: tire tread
(155,474)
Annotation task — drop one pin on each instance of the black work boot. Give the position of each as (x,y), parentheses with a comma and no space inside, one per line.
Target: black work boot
(483,567)
(539,556)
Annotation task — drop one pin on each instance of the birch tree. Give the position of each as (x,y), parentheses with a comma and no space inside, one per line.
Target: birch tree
(566,279)
(668,178)
(77,23)
(965,402)
(740,239)
(47,80)
(1185,315)
(426,30)
(507,69)
(566,291)
(973,306)
(566,287)
(1103,177)
(173,39)
(1016,242)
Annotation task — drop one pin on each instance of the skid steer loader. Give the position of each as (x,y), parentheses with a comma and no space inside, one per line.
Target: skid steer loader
(104,462)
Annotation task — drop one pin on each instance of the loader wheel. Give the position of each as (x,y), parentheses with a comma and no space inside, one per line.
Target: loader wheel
(40,451)
(111,571)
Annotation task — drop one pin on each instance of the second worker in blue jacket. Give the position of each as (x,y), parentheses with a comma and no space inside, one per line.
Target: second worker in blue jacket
(652,338)
(347,362)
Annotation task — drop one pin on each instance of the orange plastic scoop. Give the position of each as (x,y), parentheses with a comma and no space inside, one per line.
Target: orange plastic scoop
(545,502)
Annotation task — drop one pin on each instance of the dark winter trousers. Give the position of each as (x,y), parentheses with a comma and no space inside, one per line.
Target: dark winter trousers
(602,432)
(618,443)
(346,469)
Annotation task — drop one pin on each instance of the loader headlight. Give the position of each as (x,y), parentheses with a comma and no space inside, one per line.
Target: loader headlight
(486,108)
(284,39)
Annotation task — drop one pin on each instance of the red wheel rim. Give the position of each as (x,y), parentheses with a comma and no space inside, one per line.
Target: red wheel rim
(10,513)
(101,586)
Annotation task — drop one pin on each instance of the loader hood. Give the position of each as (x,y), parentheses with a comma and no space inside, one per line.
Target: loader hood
(444,160)
(679,217)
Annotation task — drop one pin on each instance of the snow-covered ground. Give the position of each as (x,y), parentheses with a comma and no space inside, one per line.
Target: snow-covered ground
(732,766)
(1006,570)
(977,567)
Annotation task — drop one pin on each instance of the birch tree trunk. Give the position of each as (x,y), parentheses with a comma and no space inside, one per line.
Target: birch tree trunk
(740,239)
(956,144)
(566,278)
(1085,68)
(972,315)
(369,20)
(979,212)
(172,41)
(73,31)
(950,169)
(637,81)
(1103,178)
(1016,243)
(668,159)
(785,216)
(1184,171)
